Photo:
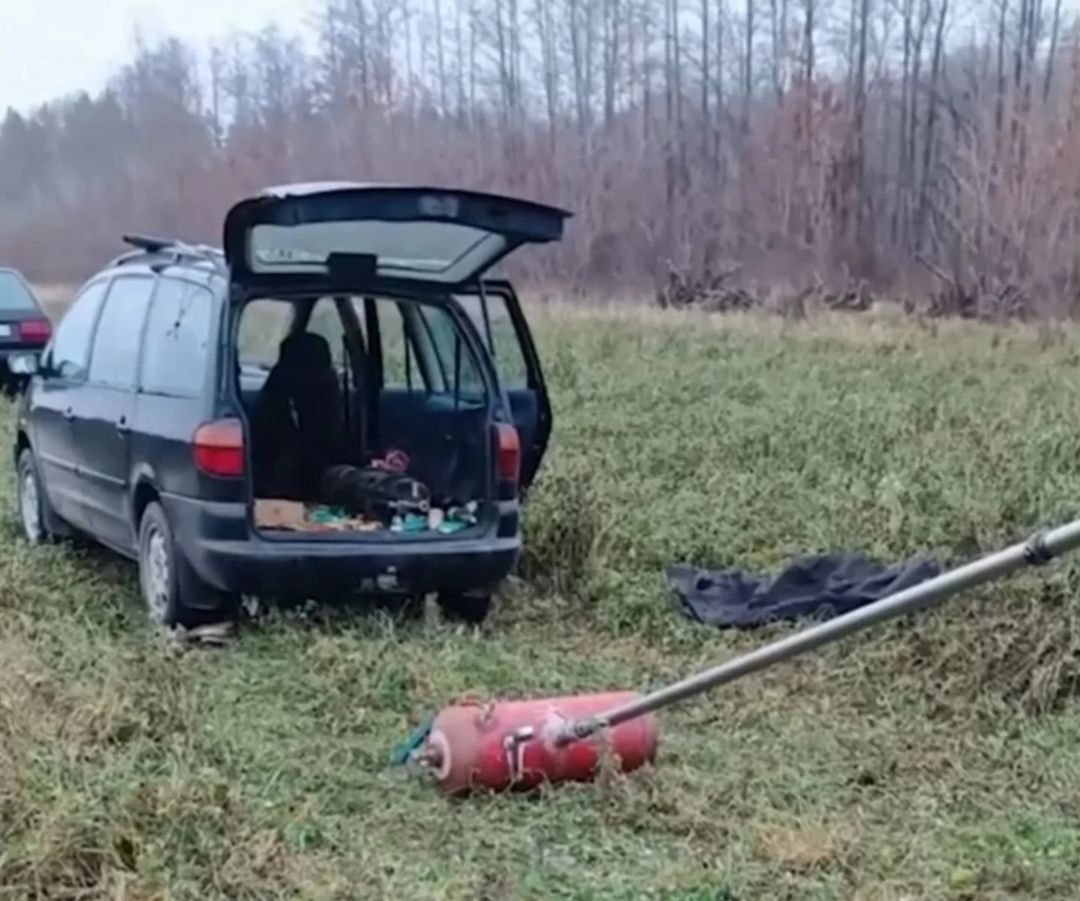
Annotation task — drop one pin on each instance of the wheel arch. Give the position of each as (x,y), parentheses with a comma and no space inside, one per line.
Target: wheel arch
(22,442)
(144,493)
(51,520)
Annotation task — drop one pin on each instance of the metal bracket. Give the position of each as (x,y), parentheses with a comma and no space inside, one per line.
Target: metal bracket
(514,746)
(1037,552)
(579,730)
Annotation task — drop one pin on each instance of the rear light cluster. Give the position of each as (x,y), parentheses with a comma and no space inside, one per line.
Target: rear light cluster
(219,448)
(508,449)
(35,330)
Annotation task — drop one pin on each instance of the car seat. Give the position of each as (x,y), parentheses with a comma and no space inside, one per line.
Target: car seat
(297,423)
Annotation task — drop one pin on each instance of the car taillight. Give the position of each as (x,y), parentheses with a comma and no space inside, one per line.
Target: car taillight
(35,330)
(508,448)
(219,448)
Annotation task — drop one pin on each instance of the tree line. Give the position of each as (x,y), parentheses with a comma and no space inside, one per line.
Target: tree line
(911,145)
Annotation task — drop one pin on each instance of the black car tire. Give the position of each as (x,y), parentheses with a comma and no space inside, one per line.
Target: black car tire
(171,591)
(35,511)
(468,608)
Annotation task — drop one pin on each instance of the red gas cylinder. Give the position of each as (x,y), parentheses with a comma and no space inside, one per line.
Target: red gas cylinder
(510,745)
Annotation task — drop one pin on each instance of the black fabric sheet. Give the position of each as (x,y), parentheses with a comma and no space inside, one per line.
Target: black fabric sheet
(820,587)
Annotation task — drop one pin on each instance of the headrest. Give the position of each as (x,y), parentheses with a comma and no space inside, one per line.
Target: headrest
(305,350)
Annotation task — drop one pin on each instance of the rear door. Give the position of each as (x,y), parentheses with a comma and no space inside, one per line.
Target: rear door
(106,406)
(498,317)
(351,237)
(176,380)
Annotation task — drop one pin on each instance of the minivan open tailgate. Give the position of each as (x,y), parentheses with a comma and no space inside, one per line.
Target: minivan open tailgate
(350,235)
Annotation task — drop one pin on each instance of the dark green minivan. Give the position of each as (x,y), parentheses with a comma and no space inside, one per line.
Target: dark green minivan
(340,402)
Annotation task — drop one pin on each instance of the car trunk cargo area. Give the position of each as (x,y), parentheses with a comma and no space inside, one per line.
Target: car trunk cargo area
(361,513)
(368,419)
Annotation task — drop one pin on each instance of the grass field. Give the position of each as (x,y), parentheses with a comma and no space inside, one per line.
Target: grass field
(933,758)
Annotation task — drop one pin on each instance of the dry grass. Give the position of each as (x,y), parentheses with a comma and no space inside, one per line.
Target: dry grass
(932,759)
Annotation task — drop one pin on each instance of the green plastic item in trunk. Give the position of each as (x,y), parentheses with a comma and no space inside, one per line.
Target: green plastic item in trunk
(324,515)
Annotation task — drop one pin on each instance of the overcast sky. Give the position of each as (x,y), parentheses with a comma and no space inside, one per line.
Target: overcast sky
(53,47)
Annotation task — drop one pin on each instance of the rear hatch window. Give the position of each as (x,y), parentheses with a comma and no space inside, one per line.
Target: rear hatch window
(419,249)
(326,235)
(15,295)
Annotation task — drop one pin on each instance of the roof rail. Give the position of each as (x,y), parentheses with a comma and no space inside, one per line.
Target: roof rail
(149,245)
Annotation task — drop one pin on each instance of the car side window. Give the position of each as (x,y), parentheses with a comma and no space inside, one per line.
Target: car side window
(114,359)
(69,353)
(15,294)
(500,336)
(398,354)
(177,339)
(325,321)
(423,351)
(263,326)
(443,342)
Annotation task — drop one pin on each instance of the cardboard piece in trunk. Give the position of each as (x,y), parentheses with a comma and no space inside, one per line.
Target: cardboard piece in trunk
(279,514)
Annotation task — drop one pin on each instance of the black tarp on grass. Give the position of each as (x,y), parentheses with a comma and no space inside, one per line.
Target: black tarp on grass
(819,587)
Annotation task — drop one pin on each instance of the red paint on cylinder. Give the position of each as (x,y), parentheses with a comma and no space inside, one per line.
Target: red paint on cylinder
(470,746)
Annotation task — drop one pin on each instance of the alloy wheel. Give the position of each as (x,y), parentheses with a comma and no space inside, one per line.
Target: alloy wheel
(157,571)
(30,507)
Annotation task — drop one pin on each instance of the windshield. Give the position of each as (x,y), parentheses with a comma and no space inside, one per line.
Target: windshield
(15,296)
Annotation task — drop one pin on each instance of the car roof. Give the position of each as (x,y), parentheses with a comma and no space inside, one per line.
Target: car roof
(303,188)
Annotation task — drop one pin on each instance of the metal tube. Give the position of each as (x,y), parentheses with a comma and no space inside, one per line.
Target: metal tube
(1040,549)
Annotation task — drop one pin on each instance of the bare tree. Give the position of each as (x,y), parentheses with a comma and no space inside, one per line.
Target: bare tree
(931,122)
(549,64)
(805,139)
(748,66)
(779,21)
(862,29)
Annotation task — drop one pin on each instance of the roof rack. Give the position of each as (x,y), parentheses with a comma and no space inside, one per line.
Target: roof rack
(174,250)
(148,243)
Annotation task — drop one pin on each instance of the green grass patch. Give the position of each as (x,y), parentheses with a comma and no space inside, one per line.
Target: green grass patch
(932,758)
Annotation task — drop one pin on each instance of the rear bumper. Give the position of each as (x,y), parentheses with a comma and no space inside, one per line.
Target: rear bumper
(218,543)
(7,348)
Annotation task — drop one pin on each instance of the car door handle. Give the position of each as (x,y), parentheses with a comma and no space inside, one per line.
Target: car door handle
(69,413)
(122,425)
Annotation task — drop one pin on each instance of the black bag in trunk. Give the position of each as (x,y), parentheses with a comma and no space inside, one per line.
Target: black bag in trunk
(373,493)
